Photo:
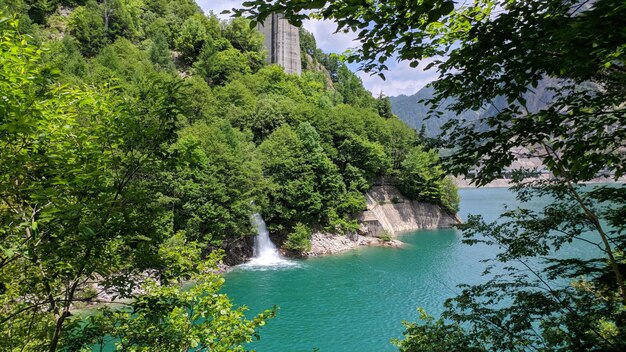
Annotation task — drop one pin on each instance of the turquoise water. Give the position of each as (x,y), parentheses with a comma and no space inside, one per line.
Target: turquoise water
(356,301)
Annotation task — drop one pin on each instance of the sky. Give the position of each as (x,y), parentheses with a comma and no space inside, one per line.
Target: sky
(401,78)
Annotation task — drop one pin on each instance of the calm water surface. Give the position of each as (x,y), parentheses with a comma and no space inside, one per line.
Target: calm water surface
(356,301)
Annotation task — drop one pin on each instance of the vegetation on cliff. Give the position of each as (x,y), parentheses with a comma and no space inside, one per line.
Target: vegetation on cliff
(135,136)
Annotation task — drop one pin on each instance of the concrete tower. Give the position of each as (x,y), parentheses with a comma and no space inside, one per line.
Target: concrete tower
(282,42)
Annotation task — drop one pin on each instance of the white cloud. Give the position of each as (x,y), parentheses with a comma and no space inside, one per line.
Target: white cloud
(401,78)
(327,39)
(217,6)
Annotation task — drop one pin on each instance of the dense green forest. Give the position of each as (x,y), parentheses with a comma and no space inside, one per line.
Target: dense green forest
(137,139)
(303,148)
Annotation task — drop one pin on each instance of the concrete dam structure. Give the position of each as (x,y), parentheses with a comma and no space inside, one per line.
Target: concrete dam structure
(282,42)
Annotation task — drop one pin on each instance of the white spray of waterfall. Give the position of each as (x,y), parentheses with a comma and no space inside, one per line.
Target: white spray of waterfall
(265,252)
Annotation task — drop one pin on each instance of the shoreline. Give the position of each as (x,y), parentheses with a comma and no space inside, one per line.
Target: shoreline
(463,183)
(323,244)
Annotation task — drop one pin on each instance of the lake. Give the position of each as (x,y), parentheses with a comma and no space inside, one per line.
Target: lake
(356,301)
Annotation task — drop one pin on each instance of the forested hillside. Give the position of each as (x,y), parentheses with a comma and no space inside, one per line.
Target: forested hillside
(303,148)
(139,136)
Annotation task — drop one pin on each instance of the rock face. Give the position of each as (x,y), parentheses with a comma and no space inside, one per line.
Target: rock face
(389,211)
(238,251)
(313,65)
(324,243)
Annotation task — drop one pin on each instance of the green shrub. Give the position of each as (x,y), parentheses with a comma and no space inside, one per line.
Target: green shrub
(422,178)
(299,239)
(385,236)
(342,226)
(450,197)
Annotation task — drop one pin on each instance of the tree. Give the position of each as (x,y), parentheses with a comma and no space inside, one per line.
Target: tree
(421,177)
(170,317)
(242,37)
(351,88)
(299,239)
(369,157)
(383,104)
(269,115)
(305,185)
(195,33)
(120,18)
(308,46)
(65,55)
(491,50)
(122,60)
(160,54)
(212,184)
(87,26)
(398,139)
(159,27)
(222,66)
(60,186)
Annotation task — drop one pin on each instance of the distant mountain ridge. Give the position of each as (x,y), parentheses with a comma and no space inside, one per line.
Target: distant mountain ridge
(413,112)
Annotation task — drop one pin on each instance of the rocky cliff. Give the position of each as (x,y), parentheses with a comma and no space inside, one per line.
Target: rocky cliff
(388,211)
(325,243)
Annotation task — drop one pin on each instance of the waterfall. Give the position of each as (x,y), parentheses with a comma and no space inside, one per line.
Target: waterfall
(264,251)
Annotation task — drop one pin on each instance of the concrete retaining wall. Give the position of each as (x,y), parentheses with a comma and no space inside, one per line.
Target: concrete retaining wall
(388,210)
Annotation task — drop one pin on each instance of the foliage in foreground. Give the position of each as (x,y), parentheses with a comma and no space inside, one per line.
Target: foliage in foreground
(79,217)
(490,50)
(168,316)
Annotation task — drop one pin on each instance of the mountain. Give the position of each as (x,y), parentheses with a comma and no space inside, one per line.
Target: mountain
(414,112)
